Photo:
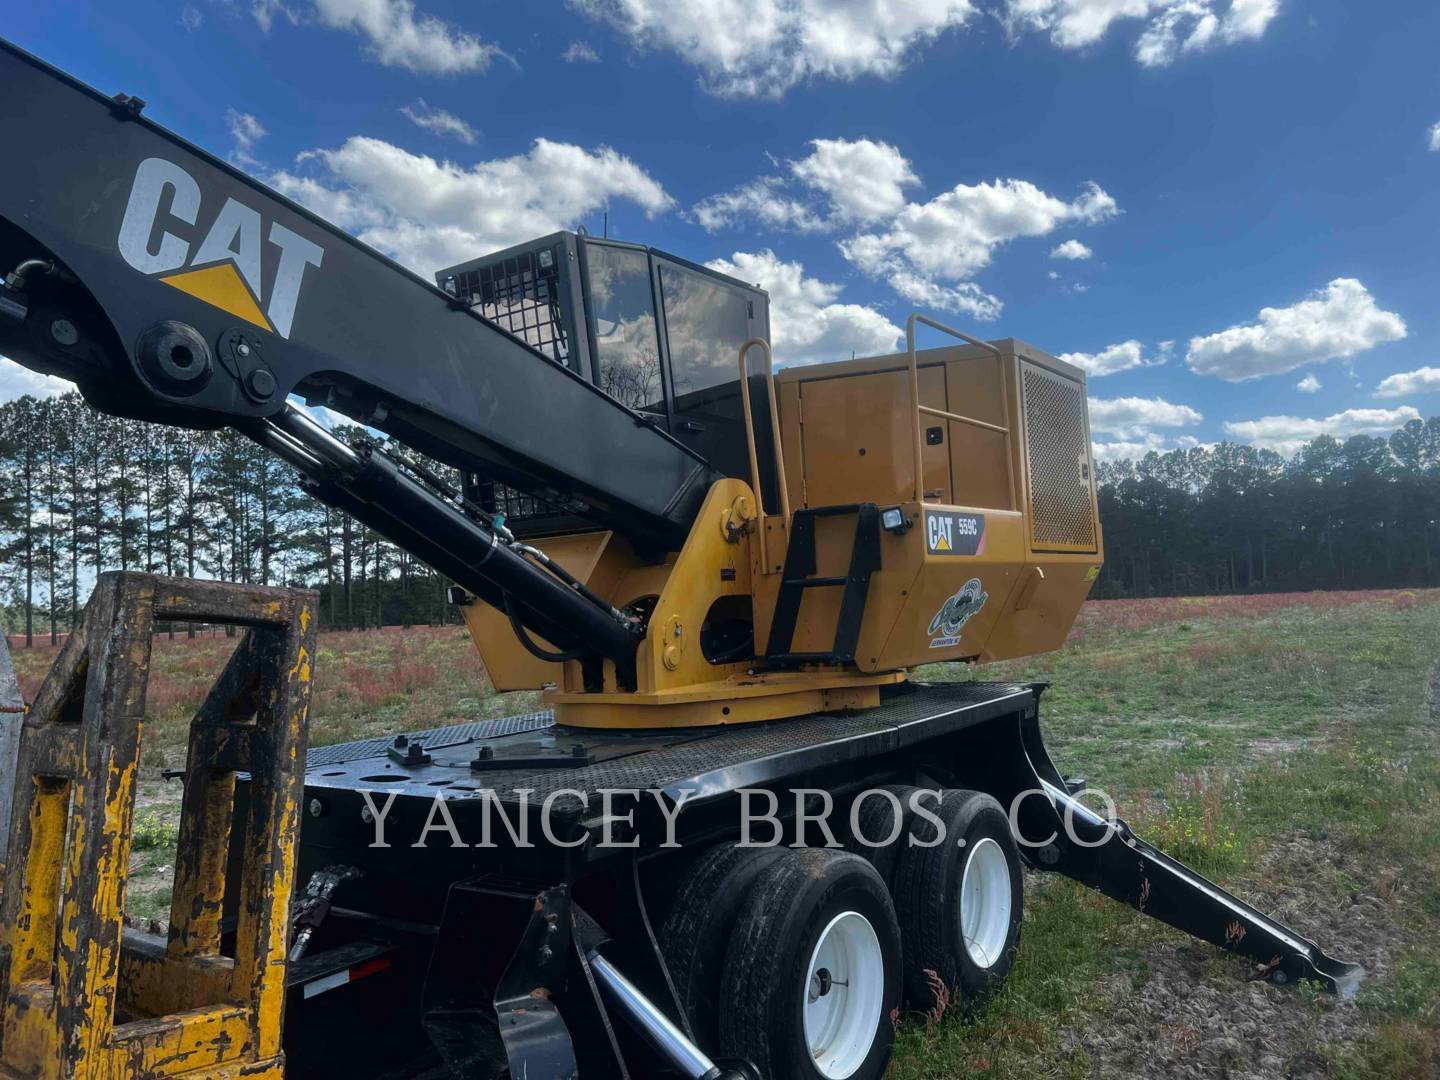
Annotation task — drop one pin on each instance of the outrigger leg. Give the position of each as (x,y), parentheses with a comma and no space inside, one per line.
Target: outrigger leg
(1059,833)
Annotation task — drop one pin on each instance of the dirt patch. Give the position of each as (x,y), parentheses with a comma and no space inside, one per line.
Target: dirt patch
(1194,1013)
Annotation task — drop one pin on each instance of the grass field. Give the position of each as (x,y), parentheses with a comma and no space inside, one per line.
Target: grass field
(1284,745)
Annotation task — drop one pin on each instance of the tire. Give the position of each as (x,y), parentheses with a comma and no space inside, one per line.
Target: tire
(960,905)
(697,931)
(876,822)
(812,915)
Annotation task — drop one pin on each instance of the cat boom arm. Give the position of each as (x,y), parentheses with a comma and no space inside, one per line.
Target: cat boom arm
(171,287)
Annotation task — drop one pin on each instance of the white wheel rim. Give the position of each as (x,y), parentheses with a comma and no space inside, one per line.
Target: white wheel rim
(843,994)
(985,902)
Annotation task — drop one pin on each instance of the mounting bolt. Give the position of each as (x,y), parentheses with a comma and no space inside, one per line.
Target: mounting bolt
(243,348)
(261,383)
(401,742)
(317,808)
(64,332)
(1279,977)
(367,815)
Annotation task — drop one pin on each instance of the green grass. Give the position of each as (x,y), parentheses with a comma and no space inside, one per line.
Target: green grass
(1225,728)
(1221,731)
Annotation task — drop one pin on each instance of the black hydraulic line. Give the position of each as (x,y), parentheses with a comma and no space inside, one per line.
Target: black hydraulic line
(568,578)
(372,488)
(528,643)
(429,477)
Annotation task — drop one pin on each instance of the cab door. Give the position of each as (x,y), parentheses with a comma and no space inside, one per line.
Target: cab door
(705,321)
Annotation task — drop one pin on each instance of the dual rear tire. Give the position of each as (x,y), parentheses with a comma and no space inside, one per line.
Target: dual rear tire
(799,960)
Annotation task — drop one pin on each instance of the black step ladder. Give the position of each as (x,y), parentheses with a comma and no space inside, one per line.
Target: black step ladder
(798,576)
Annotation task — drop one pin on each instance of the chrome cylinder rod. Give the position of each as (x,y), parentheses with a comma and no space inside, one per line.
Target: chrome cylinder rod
(668,1040)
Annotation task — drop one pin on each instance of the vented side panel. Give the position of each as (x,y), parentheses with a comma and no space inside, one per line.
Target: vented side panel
(1062,501)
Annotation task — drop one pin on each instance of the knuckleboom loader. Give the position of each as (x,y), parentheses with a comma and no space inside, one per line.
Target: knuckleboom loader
(720,576)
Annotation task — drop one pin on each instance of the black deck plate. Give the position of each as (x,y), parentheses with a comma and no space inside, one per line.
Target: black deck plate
(709,762)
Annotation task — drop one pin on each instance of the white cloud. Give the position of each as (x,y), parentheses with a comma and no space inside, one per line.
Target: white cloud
(1336,322)
(1288,434)
(761,48)
(1129,449)
(1420,381)
(265,11)
(398,35)
(763,201)
(807,325)
(17,381)
(440,122)
(864,180)
(1071,249)
(429,213)
(1134,417)
(1435,137)
(954,236)
(1309,385)
(860,179)
(581,52)
(191,18)
(927,252)
(1125,356)
(965,297)
(246,131)
(1170,27)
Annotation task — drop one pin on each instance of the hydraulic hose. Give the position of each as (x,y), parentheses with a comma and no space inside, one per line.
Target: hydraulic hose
(373,489)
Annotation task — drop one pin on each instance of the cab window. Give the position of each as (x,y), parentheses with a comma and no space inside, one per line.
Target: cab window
(706,322)
(627,347)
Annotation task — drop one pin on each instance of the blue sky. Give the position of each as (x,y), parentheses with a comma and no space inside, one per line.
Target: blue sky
(1210,160)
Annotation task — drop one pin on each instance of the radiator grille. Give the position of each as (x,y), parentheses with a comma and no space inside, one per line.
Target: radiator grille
(520,294)
(1062,508)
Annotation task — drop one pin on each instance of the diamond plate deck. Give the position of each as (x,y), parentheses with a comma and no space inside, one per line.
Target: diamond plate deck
(434,738)
(707,764)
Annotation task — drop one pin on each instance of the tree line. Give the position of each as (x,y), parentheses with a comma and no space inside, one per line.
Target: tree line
(82,492)
(1358,514)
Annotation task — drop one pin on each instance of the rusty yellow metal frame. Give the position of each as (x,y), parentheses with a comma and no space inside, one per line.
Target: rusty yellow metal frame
(84,998)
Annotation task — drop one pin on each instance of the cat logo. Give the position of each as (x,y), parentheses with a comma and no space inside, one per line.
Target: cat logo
(950,533)
(225,268)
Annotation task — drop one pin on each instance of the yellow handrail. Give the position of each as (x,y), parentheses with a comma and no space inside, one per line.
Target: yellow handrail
(774,436)
(917,408)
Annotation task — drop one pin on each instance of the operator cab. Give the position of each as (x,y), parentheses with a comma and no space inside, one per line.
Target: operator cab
(657,333)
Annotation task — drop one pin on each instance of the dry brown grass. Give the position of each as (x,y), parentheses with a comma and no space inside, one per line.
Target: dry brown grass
(367,682)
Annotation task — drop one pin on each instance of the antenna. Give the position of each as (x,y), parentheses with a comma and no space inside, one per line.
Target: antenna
(607,224)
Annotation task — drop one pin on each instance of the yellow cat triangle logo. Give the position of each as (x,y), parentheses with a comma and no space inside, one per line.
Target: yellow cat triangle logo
(942,544)
(221,287)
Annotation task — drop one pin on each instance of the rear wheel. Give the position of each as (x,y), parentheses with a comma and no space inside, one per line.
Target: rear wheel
(812,975)
(959,902)
(878,832)
(698,930)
